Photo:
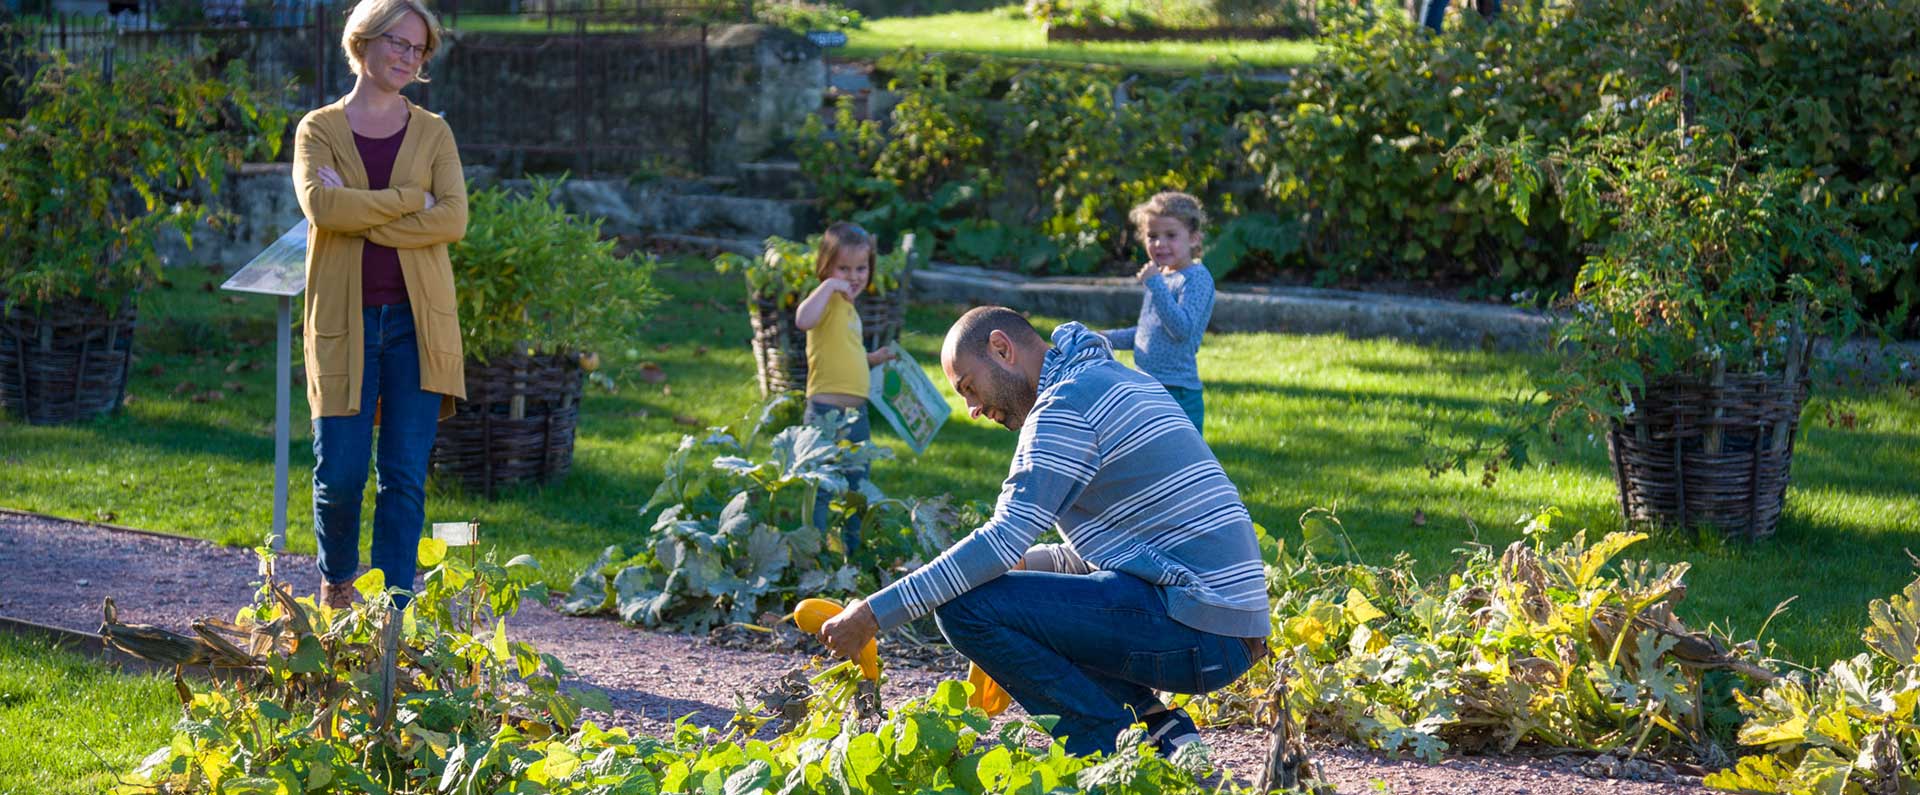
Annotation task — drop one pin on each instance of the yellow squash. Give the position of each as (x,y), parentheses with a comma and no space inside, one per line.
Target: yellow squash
(810,614)
(987,693)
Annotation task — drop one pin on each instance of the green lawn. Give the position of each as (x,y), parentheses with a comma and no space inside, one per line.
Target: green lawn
(56,708)
(1298,422)
(519,23)
(988,33)
(995,33)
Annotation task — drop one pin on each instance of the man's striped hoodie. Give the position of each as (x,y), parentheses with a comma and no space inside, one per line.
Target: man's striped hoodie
(1108,456)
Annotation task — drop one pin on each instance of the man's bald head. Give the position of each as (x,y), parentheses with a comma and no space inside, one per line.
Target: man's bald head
(971,334)
(992,357)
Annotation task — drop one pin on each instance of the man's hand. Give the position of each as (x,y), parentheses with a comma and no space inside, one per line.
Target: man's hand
(846,634)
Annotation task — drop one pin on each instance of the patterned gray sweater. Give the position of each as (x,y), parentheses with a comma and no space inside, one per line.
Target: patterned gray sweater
(1106,454)
(1173,318)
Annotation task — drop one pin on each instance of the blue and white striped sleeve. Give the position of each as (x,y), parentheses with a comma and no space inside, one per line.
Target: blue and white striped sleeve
(1057,457)
(1184,317)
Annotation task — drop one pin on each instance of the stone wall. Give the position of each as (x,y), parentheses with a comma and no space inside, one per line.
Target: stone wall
(261,202)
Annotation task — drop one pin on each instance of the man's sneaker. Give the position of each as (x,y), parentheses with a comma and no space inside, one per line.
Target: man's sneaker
(1171,729)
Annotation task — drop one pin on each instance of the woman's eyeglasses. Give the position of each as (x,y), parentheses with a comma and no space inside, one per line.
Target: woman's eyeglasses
(403,46)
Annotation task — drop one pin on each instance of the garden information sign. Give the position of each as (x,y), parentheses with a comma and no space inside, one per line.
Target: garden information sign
(279,271)
(901,392)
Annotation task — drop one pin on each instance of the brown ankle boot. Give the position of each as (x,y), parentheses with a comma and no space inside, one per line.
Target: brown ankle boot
(337,596)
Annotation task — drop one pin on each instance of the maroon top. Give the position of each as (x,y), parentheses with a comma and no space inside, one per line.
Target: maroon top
(381,283)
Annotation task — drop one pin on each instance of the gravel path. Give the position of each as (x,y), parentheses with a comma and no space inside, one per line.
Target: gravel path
(57,572)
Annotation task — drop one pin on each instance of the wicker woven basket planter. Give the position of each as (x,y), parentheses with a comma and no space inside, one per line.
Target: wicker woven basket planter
(1711,453)
(780,347)
(66,363)
(516,425)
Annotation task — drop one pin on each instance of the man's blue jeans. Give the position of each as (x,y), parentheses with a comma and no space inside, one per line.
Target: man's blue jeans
(1090,648)
(342,446)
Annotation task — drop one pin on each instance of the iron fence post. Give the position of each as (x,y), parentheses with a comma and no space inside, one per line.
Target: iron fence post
(700,153)
(319,54)
(581,131)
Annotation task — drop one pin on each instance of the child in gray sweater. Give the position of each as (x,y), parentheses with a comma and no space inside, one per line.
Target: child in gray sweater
(1178,303)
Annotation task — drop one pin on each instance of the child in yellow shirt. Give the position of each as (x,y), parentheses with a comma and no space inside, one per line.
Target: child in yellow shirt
(837,359)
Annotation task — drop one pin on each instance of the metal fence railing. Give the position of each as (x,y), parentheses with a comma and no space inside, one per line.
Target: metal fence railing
(516,92)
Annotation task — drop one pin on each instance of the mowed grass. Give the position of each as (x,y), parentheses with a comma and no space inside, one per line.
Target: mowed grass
(998,33)
(72,725)
(984,33)
(1298,422)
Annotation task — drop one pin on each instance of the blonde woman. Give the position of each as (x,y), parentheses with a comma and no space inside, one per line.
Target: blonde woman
(380,182)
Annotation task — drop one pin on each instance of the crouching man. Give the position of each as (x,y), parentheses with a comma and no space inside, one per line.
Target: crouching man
(1160,584)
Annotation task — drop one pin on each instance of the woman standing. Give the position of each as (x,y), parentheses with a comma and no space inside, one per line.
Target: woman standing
(380,182)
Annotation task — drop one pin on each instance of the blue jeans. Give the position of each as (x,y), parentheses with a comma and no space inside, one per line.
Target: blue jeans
(409,419)
(1090,648)
(860,431)
(1194,403)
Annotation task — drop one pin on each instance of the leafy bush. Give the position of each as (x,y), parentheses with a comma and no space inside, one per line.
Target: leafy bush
(1354,147)
(1357,144)
(1550,643)
(475,712)
(1851,728)
(534,276)
(93,173)
(1034,165)
(469,705)
(784,271)
(735,538)
(801,17)
(1714,260)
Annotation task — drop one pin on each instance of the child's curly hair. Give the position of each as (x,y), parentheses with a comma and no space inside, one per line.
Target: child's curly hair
(843,234)
(1182,207)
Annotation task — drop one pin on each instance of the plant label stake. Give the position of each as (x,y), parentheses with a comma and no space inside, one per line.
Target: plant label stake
(464,534)
(280,271)
(389,665)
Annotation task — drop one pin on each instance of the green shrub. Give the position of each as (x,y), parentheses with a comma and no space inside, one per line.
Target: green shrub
(94,173)
(1552,643)
(1353,148)
(784,271)
(532,276)
(1357,143)
(735,540)
(801,17)
(1713,260)
(1848,728)
(1035,166)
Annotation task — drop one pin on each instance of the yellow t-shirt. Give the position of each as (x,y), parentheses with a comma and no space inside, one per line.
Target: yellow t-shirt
(836,358)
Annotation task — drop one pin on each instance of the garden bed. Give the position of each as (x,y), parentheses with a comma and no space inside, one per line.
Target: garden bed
(64,569)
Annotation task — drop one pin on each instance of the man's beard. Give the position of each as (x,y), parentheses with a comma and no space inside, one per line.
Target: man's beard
(1009,394)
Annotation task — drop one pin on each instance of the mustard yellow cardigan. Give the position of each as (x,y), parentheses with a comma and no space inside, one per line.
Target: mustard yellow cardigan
(339,223)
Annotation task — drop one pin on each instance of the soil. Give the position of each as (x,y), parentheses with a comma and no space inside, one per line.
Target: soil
(57,572)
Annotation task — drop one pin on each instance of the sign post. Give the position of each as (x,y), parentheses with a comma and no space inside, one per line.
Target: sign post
(279,271)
